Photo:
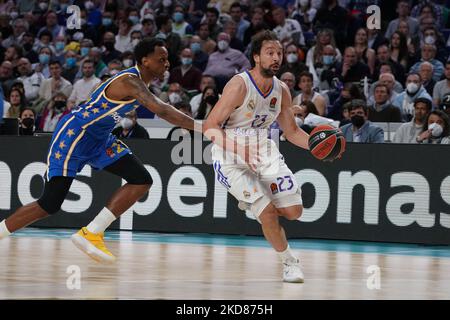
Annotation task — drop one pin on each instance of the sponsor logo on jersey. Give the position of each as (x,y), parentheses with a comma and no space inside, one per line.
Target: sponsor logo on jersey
(116,116)
(273,103)
(251,105)
(246,194)
(274,188)
(110,152)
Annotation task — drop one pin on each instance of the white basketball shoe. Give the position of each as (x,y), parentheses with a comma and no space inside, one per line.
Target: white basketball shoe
(292,272)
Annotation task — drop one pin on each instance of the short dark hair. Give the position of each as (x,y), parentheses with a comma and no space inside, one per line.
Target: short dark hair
(161,19)
(25,109)
(257,43)
(54,61)
(305,74)
(379,84)
(425,101)
(213,10)
(146,47)
(235,5)
(356,104)
(447,62)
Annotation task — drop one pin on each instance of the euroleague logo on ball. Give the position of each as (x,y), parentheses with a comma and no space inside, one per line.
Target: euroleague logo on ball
(322,135)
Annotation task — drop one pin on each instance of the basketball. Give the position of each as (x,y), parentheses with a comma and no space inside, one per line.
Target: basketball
(326,143)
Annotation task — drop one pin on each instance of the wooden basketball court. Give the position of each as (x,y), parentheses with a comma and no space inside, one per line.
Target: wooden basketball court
(41,264)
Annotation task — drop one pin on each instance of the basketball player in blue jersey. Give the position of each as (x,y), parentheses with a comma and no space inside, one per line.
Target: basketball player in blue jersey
(84,137)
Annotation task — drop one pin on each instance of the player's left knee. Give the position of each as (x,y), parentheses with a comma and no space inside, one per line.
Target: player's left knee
(293,213)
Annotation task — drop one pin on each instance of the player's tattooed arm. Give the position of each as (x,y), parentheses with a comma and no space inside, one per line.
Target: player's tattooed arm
(137,89)
(287,122)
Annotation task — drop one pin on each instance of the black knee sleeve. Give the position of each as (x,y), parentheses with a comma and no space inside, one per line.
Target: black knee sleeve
(131,169)
(55,191)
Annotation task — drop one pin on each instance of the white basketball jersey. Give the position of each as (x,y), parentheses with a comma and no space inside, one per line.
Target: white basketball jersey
(258,111)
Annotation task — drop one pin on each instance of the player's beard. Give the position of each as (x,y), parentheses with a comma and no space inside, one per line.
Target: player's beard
(267,72)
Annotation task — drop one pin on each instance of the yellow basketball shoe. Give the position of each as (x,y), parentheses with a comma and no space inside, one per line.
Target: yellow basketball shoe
(93,245)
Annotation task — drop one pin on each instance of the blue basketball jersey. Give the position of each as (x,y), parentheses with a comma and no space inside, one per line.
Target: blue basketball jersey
(84,135)
(99,115)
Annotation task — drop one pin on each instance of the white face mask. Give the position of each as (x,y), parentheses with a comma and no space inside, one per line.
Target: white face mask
(43,6)
(429,40)
(292,58)
(304,3)
(174,98)
(316,4)
(412,87)
(126,123)
(223,45)
(127,63)
(436,129)
(89,5)
(135,42)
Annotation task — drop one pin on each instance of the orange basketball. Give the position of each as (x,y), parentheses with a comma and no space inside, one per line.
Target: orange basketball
(326,143)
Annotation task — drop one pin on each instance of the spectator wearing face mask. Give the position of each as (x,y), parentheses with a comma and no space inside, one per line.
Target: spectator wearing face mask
(45,56)
(361,129)
(325,71)
(405,100)
(291,61)
(174,94)
(108,23)
(207,81)
(226,62)
(108,50)
(200,59)
(188,76)
(179,25)
(54,111)
(436,129)
(130,129)
(70,67)
(409,131)
(27,122)
(210,98)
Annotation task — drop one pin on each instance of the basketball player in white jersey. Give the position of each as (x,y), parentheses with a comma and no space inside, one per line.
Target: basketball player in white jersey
(257,175)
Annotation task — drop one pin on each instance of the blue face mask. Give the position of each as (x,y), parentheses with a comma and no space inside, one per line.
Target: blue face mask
(106,21)
(44,58)
(134,20)
(195,47)
(327,60)
(71,62)
(64,7)
(178,16)
(186,61)
(84,51)
(59,46)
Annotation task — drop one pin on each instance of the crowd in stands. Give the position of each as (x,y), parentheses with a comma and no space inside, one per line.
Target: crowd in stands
(334,65)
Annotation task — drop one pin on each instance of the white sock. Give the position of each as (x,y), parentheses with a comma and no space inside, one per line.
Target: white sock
(101,221)
(287,256)
(4,232)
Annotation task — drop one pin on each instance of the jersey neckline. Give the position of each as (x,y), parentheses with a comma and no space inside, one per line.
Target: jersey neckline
(257,88)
